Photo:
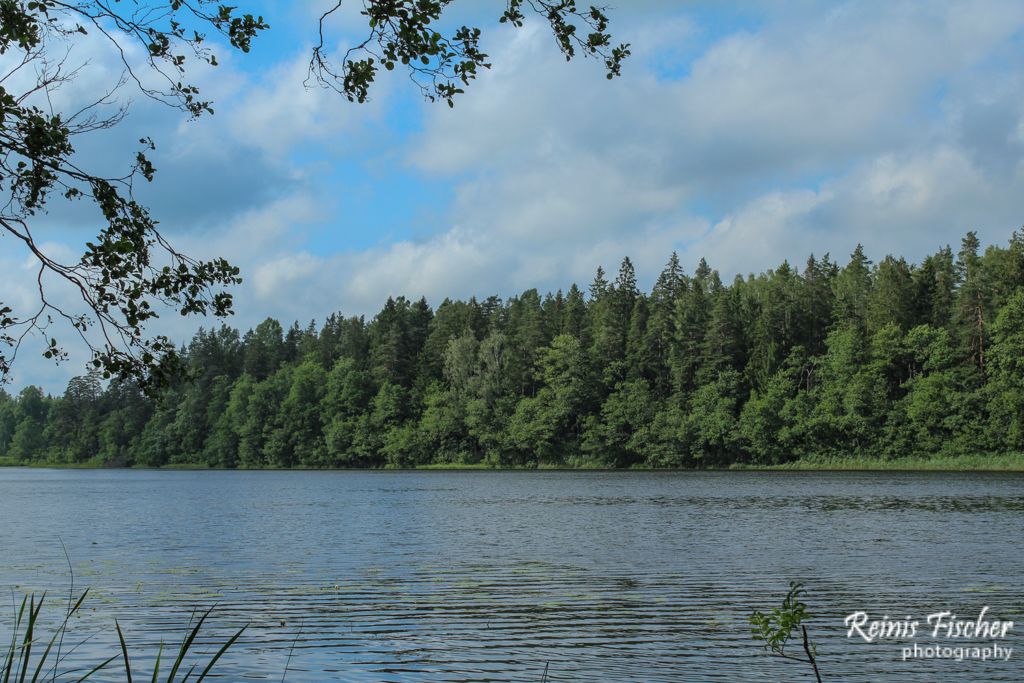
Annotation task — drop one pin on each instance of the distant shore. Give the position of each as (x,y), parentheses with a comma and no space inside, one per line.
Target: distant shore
(1013,462)
(968,463)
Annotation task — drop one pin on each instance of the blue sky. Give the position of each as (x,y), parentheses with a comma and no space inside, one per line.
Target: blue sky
(745,132)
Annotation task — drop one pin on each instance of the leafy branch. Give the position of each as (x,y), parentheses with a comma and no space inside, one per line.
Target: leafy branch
(775,629)
(402,34)
(130,270)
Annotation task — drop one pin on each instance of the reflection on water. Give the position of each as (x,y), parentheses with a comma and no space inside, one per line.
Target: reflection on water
(477,576)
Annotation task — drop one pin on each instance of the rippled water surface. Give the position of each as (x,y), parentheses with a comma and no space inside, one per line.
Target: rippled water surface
(477,576)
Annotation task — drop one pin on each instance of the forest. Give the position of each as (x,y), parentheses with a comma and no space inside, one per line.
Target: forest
(867,360)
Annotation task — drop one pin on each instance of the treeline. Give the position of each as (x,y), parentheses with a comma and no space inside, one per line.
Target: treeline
(856,360)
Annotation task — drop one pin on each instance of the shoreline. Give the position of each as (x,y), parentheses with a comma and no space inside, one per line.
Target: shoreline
(965,464)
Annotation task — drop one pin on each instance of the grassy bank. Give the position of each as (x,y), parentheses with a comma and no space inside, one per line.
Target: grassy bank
(455,466)
(1013,462)
(1005,462)
(12,462)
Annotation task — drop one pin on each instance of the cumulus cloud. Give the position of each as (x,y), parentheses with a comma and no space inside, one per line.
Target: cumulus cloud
(895,126)
(906,204)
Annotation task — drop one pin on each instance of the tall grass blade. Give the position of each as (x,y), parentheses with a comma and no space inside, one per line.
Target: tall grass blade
(46,653)
(78,605)
(71,609)
(220,652)
(30,629)
(9,661)
(58,637)
(186,645)
(156,667)
(124,652)
(17,660)
(95,669)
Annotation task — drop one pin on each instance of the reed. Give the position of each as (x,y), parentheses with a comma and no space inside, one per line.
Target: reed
(32,657)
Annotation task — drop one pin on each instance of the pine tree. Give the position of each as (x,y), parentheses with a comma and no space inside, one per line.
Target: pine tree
(661,328)
(853,290)
(972,301)
(691,318)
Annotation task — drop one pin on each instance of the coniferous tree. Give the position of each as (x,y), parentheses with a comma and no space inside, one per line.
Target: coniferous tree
(853,290)
(972,300)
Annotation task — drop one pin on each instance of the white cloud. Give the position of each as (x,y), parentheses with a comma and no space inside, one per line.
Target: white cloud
(812,131)
(278,113)
(903,204)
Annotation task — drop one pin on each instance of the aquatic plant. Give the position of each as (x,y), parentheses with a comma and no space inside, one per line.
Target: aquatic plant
(24,662)
(776,628)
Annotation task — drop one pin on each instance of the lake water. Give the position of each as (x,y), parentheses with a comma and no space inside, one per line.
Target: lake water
(479,576)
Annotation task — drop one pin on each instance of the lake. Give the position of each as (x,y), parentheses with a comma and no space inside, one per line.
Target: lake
(491,576)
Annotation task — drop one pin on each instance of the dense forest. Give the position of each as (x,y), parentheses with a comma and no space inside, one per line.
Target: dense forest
(857,360)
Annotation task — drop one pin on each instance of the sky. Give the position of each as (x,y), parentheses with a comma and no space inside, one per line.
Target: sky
(746,133)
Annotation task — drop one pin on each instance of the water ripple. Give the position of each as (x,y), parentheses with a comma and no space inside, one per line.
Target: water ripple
(491,576)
